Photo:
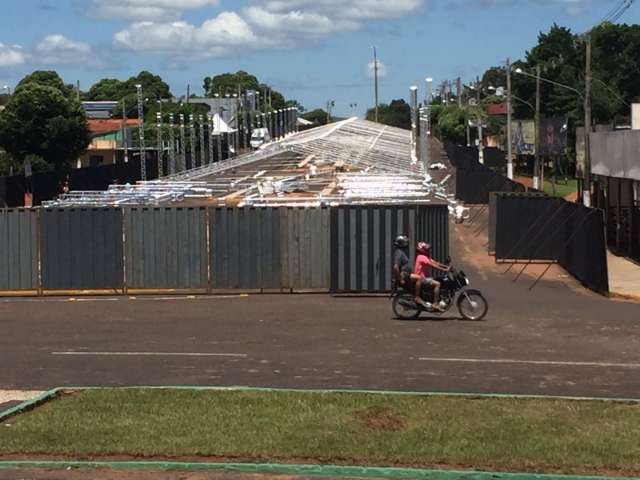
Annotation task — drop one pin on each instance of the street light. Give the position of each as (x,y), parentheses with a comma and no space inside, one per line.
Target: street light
(429,82)
(552,82)
(539,79)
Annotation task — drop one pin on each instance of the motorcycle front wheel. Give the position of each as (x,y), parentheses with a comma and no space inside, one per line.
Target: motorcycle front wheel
(404,307)
(472,305)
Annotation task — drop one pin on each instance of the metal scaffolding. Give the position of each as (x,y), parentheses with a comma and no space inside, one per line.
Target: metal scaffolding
(352,161)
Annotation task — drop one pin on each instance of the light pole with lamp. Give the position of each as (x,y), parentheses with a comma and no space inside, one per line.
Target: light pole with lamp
(536,178)
(427,102)
(478,89)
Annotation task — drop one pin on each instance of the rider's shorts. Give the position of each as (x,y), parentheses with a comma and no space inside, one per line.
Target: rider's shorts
(428,281)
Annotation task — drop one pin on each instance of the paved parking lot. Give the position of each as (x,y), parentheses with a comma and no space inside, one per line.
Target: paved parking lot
(555,339)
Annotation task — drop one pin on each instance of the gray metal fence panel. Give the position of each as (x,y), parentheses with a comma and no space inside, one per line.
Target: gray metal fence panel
(433,227)
(245,248)
(166,248)
(18,250)
(81,249)
(305,248)
(362,242)
(493,202)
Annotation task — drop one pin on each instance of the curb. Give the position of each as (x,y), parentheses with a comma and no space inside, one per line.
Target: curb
(30,404)
(624,296)
(244,388)
(300,470)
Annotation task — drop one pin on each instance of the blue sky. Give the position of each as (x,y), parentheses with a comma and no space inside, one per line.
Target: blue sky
(311,50)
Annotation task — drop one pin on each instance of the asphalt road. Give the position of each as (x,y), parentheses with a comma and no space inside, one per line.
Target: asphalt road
(552,340)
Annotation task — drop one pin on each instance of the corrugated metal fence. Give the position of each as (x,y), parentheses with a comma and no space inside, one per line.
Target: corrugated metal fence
(534,227)
(199,249)
(81,249)
(166,248)
(245,248)
(362,242)
(18,250)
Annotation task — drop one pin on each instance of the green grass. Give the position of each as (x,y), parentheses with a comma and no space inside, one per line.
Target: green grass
(492,433)
(562,189)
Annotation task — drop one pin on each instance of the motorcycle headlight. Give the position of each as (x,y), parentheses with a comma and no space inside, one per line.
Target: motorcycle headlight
(466,281)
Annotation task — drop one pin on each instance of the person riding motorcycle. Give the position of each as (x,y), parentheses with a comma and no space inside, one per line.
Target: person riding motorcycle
(401,267)
(424,261)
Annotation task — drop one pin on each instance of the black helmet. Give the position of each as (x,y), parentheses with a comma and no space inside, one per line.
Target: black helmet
(402,241)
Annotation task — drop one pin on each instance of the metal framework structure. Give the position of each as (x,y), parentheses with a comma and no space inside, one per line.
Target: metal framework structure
(143,153)
(352,161)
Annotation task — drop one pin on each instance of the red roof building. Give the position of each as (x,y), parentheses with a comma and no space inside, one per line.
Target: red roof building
(496,109)
(102,126)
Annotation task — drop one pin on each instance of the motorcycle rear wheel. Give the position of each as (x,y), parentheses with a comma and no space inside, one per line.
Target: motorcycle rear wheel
(403,311)
(472,305)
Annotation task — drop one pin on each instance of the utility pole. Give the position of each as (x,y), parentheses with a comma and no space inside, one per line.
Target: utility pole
(467,119)
(143,153)
(415,124)
(182,158)
(219,136)
(172,146)
(159,142)
(480,134)
(124,132)
(458,90)
(210,138)
(536,164)
(375,76)
(509,145)
(586,181)
(188,93)
(78,90)
(201,131)
(192,140)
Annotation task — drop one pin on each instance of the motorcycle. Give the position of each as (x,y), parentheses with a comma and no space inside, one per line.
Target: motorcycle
(453,289)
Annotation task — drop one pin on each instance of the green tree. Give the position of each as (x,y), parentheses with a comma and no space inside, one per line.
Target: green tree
(494,77)
(152,86)
(7,163)
(451,123)
(40,120)
(395,114)
(46,78)
(106,89)
(295,104)
(229,83)
(317,116)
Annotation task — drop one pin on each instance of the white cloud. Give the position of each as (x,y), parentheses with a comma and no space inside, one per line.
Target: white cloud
(262,24)
(383,71)
(296,22)
(345,9)
(12,55)
(59,50)
(147,10)
(216,36)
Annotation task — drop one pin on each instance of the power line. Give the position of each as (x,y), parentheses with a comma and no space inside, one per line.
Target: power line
(618,11)
(627,5)
(613,12)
